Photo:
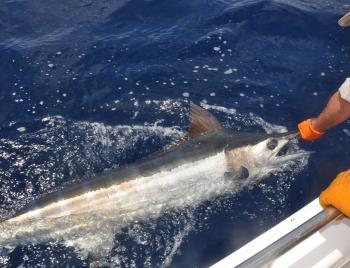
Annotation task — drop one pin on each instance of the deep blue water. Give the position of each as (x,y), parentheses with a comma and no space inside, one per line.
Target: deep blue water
(90,85)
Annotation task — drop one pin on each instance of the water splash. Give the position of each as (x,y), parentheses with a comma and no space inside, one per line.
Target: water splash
(62,149)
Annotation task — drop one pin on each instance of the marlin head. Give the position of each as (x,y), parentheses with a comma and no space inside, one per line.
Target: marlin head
(247,154)
(261,154)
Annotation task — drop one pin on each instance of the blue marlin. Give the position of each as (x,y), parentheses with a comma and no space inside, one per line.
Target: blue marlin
(209,162)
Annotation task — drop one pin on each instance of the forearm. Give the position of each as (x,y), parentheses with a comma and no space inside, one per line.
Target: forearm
(336,111)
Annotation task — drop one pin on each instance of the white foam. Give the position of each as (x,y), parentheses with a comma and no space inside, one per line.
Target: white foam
(100,144)
(252,118)
(228,71)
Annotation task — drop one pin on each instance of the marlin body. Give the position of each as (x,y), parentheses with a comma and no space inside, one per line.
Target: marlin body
(210,162)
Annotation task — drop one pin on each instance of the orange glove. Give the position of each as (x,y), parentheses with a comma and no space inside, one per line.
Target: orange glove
(338,193)
(307,132)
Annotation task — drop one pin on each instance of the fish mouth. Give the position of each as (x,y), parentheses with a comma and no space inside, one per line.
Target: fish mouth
(291,156)
(286,150)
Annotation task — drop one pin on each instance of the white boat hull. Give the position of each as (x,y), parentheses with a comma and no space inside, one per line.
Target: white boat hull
(328,246)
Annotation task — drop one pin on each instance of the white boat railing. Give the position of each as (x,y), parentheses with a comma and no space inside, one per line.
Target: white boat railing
(271,245)
(269,254)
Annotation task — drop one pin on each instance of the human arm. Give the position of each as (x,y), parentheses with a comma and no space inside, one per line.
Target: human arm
(336,111)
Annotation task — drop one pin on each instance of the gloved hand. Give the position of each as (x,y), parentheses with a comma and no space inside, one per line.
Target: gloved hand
(338,193)
(307,132)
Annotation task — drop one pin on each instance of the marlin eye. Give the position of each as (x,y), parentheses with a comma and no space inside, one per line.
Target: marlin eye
(271,144)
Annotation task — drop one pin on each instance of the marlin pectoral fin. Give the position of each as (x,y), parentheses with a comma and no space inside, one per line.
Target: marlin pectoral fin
(240,174)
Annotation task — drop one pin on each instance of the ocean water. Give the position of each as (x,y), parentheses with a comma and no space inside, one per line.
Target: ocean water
(87,86)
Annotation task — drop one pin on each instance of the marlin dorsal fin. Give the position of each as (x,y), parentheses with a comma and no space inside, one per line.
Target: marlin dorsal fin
(201,121)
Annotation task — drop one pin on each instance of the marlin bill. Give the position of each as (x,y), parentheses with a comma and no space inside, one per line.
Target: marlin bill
(209,162)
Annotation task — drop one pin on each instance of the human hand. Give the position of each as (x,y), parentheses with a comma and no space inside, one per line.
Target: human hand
(307,132)
(337,193)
